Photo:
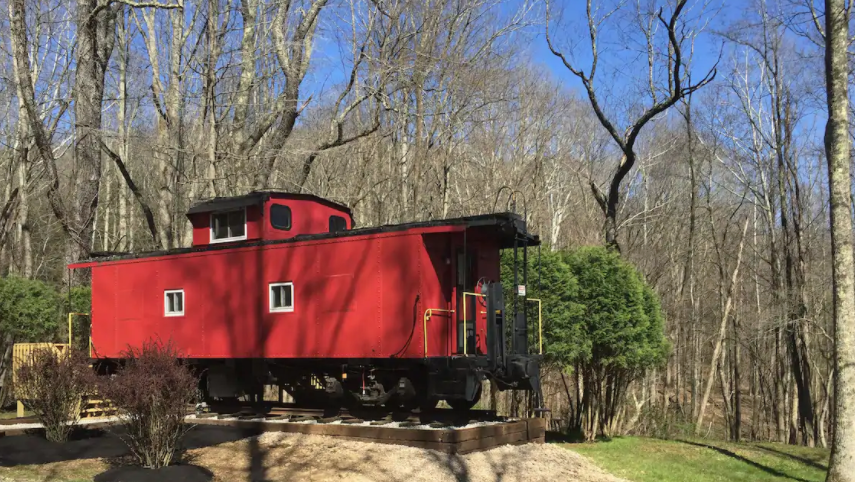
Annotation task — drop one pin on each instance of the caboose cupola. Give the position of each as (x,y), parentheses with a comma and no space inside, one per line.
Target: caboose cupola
(265,215)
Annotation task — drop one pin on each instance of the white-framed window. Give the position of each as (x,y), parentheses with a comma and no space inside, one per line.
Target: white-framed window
(173,303)
(281,297)
(228,226)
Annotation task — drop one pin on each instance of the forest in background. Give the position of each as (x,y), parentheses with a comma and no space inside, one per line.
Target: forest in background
(116,115)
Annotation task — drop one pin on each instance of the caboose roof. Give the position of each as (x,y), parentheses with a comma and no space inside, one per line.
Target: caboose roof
(257,198)
(507,226)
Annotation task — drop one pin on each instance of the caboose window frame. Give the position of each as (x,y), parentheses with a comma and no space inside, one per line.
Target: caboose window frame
(166,304)
(337,224)
(276,213)
(229,238)
(271,297)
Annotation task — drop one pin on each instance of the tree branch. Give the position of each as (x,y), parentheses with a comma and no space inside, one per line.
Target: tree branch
(337,142)
(23,76)
(149,216)
(131,3)
(588,81)
(626,141)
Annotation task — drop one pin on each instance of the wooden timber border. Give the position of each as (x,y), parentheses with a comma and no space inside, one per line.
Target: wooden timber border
(447,440)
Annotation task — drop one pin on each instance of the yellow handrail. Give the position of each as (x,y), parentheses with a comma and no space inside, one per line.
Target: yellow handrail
(427,315)
(465,294)
(539,321)
(22,354)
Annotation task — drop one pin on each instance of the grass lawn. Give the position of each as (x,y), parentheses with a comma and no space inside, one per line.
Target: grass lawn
(653,460)
(7,414)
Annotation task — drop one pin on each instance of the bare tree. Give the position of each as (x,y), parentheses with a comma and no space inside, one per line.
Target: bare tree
(726,291)
(837,151)
(679,86)
(24,80)
(170,151)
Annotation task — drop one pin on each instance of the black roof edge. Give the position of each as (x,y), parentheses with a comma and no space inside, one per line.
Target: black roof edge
(505,220)
(258,197)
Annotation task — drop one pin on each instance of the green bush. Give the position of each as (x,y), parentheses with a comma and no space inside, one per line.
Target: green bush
(30,310)
(600,319)
(622,319)
(622,326)
(551,281)
(80,299)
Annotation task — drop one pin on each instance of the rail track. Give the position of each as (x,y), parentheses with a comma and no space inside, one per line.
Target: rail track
(444,430)
(278,411)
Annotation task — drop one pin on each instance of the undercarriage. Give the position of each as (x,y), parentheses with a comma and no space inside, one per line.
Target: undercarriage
(392,383)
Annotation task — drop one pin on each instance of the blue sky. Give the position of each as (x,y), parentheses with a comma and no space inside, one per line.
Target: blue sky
(614,36)
(620,68)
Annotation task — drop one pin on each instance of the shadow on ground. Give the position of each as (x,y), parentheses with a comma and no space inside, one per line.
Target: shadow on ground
(801,460)
(564,437)
(184,473)
(98,444)
(734,455)
(228,455)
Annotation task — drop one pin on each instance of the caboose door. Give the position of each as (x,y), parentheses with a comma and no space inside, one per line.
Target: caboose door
(465,280)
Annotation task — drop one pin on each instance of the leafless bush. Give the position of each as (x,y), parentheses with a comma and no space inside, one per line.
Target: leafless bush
(671,424)
(151,392)
(52,385)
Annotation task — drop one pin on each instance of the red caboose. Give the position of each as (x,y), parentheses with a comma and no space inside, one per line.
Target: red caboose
(279,288)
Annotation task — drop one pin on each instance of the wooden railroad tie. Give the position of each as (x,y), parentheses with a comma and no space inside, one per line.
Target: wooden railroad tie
(443,439)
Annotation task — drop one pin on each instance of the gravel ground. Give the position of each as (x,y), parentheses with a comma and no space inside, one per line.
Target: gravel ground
(226,454)
(291,457)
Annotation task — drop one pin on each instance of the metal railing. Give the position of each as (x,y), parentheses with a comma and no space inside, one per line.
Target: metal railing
(70,320)
(430,311)
(426,317)
(539,322)
(465,294)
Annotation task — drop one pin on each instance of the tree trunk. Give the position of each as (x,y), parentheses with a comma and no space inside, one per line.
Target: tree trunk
(837,150)
(735,388)
(728,304)
(21,159)
(212,33)
(95,36)
(121,119)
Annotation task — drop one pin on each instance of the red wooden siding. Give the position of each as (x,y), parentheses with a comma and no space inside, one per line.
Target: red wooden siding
(307,217)
(360,296)
(202,226)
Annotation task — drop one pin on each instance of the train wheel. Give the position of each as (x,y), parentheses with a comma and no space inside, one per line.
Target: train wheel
(462,405)
(421,399)
(429,403)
